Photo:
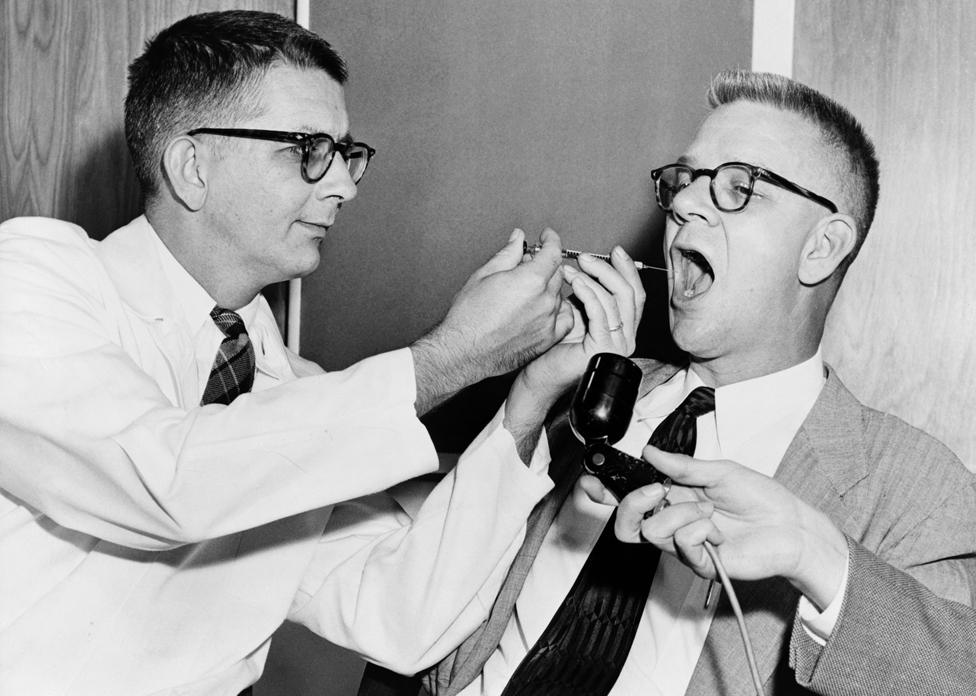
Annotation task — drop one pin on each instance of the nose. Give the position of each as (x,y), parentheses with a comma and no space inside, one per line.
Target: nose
(695,201)
(337,183)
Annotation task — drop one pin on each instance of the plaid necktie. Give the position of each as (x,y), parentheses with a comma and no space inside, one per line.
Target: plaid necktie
(232,373)
(586,643)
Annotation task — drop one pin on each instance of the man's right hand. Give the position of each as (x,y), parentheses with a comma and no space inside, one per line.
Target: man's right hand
(611,299)
(760,528)
(507,313)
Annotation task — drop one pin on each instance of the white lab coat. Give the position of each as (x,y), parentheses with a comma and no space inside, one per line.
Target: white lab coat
(152,546)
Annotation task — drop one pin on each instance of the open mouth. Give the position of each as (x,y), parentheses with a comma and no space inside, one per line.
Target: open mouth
(696,274)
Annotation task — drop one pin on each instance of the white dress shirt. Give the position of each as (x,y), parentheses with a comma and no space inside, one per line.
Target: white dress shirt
(152,546)
(753,423)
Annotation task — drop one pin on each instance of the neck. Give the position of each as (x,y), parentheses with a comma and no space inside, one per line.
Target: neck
(794,340)
(715,373)
(736,366)
(207,264)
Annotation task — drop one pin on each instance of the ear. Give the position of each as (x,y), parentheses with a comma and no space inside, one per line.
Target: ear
(185,163)
(830,242)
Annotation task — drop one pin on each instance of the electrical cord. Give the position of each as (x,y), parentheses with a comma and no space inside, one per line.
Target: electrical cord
(734,601)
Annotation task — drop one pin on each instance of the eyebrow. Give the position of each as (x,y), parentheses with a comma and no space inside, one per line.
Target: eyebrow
(342,140)
(689,162)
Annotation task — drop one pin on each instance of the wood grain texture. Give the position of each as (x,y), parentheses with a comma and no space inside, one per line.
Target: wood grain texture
(62,84)
(903,331)
(62,148)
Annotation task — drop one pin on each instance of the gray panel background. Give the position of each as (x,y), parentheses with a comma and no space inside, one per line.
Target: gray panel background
(487,116)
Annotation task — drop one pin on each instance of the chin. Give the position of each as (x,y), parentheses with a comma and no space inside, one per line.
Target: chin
(694,338)
(308,263)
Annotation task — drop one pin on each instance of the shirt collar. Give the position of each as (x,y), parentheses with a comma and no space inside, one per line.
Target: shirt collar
(770,408)
(767,410)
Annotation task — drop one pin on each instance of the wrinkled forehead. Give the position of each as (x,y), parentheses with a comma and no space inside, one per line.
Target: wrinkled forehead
(766,136)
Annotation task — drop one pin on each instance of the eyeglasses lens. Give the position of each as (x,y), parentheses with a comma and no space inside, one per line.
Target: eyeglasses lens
(732,188)
(356,157)
(322,152)
(672,180)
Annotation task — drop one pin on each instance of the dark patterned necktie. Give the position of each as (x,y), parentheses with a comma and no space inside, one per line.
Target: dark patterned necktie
(232,373)
(586,643)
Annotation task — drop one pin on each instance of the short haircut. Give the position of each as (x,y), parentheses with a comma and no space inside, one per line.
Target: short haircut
(204,71)
(857,163)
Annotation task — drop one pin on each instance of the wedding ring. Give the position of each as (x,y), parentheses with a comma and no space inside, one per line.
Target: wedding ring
(616,328)
(666,483)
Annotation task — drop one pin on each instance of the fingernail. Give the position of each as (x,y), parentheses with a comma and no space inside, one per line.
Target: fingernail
(706,508)
(514,235)
(570,272)
(620,253)
(653,491)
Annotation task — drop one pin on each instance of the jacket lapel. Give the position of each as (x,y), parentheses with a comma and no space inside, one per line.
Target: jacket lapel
(722,668)
(827,456)
(822,463)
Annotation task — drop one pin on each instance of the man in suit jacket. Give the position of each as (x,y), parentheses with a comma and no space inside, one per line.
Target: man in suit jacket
(851,534)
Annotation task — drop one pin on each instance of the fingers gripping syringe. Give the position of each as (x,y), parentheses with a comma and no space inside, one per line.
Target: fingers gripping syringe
(573,254)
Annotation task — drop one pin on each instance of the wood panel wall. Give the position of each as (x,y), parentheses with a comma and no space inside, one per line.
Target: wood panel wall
(62,149)
(903,331)
(62,84)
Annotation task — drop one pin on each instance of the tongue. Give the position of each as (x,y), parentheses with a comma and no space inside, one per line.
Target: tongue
(697,279)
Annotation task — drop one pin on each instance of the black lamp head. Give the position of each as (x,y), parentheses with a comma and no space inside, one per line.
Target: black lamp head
(604,399)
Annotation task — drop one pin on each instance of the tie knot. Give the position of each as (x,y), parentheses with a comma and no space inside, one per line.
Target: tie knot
(699,402)
(229,322)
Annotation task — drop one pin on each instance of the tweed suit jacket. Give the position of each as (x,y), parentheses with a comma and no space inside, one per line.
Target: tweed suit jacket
(908,508)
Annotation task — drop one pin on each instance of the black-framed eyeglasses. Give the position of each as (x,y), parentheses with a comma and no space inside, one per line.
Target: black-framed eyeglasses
(318,149)
(731,185)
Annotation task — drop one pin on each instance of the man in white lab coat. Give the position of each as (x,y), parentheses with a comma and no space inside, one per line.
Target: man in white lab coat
(173,477)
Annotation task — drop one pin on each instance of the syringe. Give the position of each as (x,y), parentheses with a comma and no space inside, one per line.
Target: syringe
(573,254)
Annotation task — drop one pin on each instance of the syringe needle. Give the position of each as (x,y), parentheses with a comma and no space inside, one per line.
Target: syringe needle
(573,254)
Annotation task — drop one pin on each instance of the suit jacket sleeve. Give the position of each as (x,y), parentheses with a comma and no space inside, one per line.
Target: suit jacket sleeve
(907,625)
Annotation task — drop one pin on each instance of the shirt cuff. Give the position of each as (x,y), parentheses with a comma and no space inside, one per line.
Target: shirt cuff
(819,625)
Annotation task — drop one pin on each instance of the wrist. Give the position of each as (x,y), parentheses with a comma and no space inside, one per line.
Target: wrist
(540,386)
(525,413)
(528,403)
(441,367)
(822,561)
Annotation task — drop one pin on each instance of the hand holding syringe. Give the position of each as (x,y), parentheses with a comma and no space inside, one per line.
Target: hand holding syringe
(573,254)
